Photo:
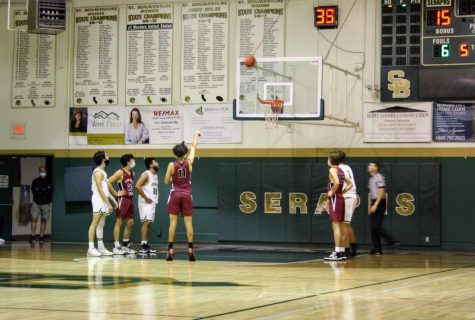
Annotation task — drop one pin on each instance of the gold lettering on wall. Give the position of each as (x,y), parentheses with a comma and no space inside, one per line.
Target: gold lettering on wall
(405,202)
(248,202)
(298,200)
(272,202)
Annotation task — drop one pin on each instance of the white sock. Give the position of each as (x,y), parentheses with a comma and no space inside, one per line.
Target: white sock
(337,249)
(125,240)
(100,244)
(117,244)
(91,244)
(342,249)
(143,242)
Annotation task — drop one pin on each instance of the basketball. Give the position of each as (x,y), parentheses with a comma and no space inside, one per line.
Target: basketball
(249,61)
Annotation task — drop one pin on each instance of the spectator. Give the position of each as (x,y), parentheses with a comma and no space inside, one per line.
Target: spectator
(42,189)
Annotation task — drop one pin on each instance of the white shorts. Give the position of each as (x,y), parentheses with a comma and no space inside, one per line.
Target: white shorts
(350,206)
(146,210)
(99,206)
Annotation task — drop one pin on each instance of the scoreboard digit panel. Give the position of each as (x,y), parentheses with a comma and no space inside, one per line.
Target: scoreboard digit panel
(448,36)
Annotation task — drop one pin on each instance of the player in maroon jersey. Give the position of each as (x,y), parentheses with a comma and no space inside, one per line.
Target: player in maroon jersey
(125,192)
(336,203)
(180,199)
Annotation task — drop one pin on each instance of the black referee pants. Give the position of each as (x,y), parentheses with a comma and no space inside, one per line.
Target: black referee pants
(377,231)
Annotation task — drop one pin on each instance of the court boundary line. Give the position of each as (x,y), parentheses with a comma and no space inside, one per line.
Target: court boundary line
(95,312)
(329,292)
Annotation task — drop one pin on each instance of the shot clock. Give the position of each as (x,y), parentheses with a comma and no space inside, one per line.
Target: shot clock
(448,36)
(326,17)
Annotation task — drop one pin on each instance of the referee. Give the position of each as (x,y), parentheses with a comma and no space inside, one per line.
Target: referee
(377,190)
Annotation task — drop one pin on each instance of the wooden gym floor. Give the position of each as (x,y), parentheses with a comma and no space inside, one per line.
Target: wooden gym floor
(57,281)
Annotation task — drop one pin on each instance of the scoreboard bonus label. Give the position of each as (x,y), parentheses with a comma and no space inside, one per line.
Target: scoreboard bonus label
(448,36)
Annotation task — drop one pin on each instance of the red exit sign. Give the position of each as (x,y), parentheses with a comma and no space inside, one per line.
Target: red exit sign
(18,130)
(326,17)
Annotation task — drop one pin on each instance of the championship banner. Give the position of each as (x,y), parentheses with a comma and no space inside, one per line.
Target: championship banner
(96,55)
(397,122)
(453,122)
(215,122)
(149,54)
(204,63)
(34,57)
(154,125)
(261,28)
(96,125)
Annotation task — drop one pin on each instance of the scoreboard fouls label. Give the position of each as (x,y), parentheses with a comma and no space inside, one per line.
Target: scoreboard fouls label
(448,35)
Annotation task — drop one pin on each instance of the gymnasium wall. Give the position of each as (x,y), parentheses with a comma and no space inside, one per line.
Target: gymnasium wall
(47,128)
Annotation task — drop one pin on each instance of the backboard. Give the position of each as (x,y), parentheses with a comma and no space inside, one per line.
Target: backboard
(296,80)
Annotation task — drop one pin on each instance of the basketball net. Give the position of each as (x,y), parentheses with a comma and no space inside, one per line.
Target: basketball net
(271,115)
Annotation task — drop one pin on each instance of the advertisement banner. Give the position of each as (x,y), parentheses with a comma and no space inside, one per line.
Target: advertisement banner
(78,126)
(453,122)
(215,122)
(105,126)
(158,125)
(397,122)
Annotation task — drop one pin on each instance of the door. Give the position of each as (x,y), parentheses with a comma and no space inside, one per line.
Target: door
(6,196)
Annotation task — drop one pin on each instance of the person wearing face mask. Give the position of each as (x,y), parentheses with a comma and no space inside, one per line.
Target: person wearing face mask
(101,205)
(147,187)
(125,212)
(42,190)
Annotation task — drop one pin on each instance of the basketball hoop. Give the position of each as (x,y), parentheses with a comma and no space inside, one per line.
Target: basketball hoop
(271,115)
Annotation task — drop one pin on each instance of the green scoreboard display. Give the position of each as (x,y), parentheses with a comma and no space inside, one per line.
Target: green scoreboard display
(448,32)
(427,50)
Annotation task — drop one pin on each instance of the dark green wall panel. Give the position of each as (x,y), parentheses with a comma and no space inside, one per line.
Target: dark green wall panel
(70,222)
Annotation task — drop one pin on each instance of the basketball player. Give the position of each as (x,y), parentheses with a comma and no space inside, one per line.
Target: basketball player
(125,184)
(336,203)
(101,205)
(147,187)
(180,199)
(351,198)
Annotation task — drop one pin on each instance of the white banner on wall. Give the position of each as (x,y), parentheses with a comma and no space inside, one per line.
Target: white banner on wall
(204,76)
(96,125)
(397,122)
(149,54)
(215,121)
(34,69)
(96,55)
(261,26)
(160,125)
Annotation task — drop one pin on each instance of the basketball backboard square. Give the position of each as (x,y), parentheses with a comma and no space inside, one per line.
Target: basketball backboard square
(295,80)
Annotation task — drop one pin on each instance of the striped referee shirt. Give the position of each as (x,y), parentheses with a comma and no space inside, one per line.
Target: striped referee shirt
(375,182)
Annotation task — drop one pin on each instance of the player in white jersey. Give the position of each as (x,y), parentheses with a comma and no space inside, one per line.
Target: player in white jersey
(351,199)
(101,205)
(147,187)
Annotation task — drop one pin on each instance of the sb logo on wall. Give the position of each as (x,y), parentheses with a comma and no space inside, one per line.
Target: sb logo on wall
(400,87)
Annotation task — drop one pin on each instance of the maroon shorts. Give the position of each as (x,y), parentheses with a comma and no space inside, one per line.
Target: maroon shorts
(336,206)
(125,209)
(180,202)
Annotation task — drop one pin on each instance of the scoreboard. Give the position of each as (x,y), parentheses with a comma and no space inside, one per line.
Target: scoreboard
(448,32)
(427,50)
